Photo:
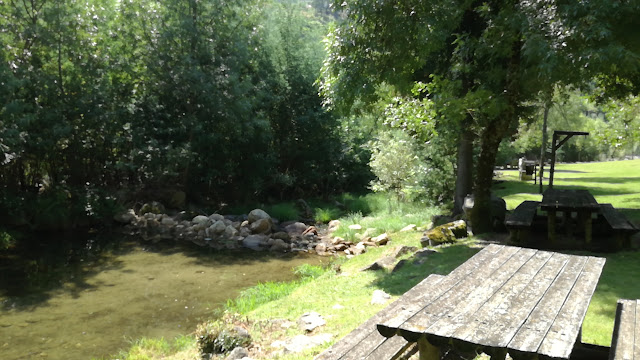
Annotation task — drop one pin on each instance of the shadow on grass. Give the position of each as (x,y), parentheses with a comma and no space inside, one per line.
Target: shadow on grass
(442,262)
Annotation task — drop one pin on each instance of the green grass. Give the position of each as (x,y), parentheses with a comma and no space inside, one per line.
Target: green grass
(613,182)
(263,293)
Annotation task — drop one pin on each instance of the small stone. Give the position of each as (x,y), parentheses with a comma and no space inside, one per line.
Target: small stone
(355,227)
(311,320)
(409,227)
(382,239)
(379,297)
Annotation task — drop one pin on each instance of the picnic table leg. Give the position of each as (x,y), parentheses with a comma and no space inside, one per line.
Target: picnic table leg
(498,354)
(568,223)
(588,228)
(551,226)
(427,350)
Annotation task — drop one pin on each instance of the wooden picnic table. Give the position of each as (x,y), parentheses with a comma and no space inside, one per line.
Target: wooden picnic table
(568,202)
(503,299)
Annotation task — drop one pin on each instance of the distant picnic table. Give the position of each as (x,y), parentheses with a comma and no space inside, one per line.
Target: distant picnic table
(567,202)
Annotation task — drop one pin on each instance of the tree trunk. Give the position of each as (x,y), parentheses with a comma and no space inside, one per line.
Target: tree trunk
(481,214)
(464,169)
(543,149)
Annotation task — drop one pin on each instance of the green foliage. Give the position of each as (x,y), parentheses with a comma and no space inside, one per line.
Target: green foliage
(410,170)
(213,98)
(283,211)
(324,215)
(6,239)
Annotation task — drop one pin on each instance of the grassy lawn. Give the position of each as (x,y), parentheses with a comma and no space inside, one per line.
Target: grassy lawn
(342,294)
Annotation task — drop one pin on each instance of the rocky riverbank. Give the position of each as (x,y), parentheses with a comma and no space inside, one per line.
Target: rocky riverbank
(257,231)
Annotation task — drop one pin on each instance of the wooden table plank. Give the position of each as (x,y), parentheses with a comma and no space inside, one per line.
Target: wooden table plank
(450,314)
(636,342)
(496,323)
(624,346)
(485,262)
(492,275)
(532,333)
(566,327)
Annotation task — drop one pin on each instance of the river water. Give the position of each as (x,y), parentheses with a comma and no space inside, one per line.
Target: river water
(92,298)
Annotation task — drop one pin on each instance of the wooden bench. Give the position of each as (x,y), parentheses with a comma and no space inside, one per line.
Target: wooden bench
(365,342)
(625,343)
(520,221)
(622,228)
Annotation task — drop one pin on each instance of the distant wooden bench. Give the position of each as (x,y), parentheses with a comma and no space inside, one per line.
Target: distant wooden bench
(520,221)
(622,228)
(625,343)
(365,342)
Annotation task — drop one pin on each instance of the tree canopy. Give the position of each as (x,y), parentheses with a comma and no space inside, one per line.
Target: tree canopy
(213,98)
(486,63)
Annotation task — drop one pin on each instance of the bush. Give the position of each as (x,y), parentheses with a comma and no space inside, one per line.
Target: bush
(323,216)
(216,337)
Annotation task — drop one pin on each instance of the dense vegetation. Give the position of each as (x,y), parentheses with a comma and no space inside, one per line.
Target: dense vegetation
(104,103)
(212,98)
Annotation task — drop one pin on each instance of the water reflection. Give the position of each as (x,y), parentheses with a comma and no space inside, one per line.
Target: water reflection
(88,298)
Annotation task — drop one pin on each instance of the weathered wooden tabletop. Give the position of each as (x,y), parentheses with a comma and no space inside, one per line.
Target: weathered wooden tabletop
(524,301)
(563,200)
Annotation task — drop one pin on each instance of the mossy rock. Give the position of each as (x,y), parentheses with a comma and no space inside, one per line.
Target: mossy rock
(446,233)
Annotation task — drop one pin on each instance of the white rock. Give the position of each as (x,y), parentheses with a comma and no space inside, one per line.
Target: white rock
(379,297)
(334,225)
(311,320)
(355,227)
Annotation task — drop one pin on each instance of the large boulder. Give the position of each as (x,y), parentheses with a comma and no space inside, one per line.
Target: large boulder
(279,245)
(296,228)
(258,214)
(261,226)
(255,242)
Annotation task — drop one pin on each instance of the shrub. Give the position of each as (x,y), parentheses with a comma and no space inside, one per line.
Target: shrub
(323,216)
(216,337)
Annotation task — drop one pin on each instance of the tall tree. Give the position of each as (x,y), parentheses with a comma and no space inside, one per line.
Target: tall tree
(485,61)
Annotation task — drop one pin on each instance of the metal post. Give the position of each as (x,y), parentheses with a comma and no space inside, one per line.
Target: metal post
(553,159)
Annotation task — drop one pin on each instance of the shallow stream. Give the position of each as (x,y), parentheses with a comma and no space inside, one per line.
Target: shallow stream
(81,303)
